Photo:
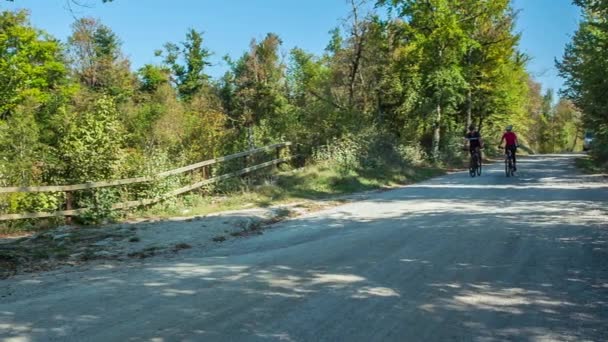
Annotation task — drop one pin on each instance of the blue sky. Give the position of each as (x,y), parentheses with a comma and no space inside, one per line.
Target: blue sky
(229,25)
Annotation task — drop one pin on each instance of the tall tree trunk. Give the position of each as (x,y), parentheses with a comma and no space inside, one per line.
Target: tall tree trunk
(576,133)
(469,108)
(354,71)
(553,129)
(469,92)
(250,140)
(358,33)
(437,134)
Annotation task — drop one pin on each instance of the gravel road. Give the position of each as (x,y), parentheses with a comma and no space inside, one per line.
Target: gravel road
(456,258)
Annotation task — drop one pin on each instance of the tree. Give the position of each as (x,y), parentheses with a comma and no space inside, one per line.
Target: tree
(21,148)
(546,132)
(152,77)
(259,86)
(309,92)
(440,42)
(31,63)
(534,104)
(568,126)
(189,76)
(92,141)
(97,60)
(491,59)
(585,68)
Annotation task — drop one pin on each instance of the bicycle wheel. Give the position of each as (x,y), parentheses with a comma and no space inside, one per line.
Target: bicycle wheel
(508,167)
(479,166)
(472,166)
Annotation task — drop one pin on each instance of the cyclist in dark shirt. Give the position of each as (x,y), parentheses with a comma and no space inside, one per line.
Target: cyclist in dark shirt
(474,139)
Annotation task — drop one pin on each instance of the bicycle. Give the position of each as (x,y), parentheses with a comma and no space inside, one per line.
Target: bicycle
(509,163)
(475,163)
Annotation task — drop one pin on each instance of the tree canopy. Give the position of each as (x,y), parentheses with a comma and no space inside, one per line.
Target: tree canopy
(410,75)
(585,68)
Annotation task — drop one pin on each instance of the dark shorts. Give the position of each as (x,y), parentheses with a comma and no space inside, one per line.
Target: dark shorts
(513,149)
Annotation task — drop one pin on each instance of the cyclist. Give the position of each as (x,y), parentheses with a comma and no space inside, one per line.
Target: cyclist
(475,141)
(510,139)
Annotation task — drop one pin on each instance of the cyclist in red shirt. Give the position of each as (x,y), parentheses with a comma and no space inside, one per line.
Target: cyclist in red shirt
(511,144)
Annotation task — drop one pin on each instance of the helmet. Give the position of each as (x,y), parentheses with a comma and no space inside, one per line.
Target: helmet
(471,127)
(509,128)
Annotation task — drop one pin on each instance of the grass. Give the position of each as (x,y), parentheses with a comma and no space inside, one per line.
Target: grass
(317,182)
(320,182)
(26,227)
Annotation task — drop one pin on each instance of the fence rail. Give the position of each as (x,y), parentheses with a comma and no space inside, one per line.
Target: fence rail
(68,212)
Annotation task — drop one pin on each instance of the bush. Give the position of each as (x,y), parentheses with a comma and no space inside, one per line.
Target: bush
(368,150)
(599,151)
(451,152)
(413,154)
(91,145)
(343,153)
(99,206)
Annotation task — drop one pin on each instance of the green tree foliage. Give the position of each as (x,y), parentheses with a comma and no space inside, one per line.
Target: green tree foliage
(558,126)
(494,69)
(152,77)
(258,93)
(205,132)
(568,127)
(91,143)
(308,83)
(34,88)
(97,60)
(31,63)
(188,62)
(585,68)
(397,82)
(21,150)
(462,66)
(155,119)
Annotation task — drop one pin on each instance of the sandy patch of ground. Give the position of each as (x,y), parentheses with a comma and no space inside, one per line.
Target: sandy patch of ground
(71,245)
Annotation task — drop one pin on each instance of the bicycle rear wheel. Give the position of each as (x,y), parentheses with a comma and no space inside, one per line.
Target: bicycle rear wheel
(508,167)
(479,166)
(472,166)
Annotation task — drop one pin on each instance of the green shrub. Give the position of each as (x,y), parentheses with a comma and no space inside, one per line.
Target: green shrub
(413,154)
(99,206)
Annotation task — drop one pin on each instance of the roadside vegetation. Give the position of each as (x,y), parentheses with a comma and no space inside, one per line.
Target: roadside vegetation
(387,103)
(342,169)
(589,164)
(584,68)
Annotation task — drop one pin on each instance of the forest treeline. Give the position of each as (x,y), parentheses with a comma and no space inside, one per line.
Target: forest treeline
(585,68)
(410,75)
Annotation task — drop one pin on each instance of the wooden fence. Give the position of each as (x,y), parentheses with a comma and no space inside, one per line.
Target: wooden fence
(69,189)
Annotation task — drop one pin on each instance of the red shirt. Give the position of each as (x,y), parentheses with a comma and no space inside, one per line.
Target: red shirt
(510,138)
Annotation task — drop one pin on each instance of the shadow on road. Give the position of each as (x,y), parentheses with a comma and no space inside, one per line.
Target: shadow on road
(446,261)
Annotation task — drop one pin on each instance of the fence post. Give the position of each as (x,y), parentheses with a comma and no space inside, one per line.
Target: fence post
(68,206)
(278,156)
(298,159)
